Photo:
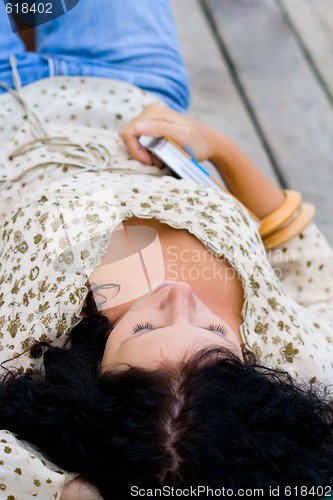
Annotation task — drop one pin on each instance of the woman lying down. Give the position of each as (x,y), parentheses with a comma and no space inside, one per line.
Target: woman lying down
(147,340)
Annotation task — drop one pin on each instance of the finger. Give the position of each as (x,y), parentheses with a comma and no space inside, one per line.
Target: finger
(151,112)
(154,111)
(137,151)
(158,128)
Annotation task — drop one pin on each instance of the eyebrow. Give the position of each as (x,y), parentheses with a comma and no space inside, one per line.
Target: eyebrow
(220,335)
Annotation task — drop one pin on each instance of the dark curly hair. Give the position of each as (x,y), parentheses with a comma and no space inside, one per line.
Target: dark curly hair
(212,421)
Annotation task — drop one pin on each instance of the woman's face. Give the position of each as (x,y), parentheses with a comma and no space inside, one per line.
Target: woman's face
(167,325)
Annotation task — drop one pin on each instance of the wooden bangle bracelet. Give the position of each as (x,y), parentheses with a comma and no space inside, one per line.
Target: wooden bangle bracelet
(292,228)
(282,214)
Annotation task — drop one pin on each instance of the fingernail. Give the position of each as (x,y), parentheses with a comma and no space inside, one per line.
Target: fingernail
(143,127)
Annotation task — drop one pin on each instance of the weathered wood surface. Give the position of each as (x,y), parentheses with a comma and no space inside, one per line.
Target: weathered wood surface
(215,99)
(312,21)
(284,94)
(289,102)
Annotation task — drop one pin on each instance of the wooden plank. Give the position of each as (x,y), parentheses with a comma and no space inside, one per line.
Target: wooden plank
(313,21)
(289,103)
(214,97)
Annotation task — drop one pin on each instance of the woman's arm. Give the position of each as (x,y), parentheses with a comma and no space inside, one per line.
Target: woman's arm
(243,179)
(80,489)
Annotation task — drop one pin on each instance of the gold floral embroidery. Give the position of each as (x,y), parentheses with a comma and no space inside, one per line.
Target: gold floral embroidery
(289,352)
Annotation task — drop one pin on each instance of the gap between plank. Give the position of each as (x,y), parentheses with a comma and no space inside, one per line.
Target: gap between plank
(242,93)
(303,48)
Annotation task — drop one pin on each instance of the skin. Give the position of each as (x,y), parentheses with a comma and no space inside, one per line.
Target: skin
(80,489)
(174,324)
(179,314)
(242,177)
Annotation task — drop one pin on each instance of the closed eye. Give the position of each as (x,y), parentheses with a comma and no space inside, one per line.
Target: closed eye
(139,327)
(217,328)
(143,326)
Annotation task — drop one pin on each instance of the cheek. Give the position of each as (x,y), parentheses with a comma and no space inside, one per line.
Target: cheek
(109,354)
(117,355)
(114,345)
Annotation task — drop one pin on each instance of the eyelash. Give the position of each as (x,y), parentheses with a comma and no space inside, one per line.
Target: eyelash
(217,328)
(142,326)
(149,326)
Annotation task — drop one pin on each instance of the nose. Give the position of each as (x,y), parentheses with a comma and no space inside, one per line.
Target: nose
(180,302)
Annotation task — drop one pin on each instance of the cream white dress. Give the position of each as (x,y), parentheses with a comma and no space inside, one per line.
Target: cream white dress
(66,181)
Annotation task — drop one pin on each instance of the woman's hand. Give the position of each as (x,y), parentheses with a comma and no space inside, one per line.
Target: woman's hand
(157,120)
(243,179)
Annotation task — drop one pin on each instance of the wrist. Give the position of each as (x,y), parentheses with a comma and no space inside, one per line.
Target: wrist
(224,151)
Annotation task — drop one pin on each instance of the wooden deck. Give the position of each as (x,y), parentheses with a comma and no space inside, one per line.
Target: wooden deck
(262,71)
